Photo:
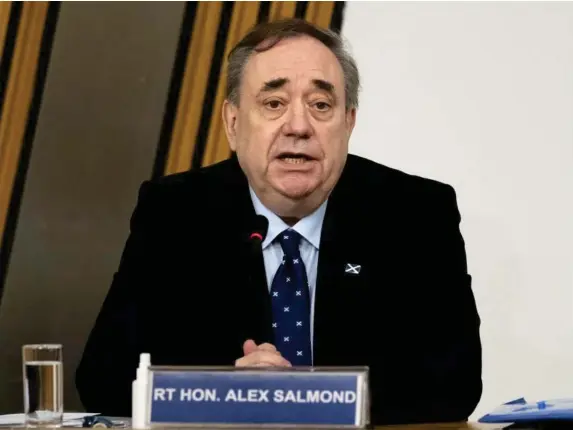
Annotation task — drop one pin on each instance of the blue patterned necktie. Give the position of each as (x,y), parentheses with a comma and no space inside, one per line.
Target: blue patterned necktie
(291,303)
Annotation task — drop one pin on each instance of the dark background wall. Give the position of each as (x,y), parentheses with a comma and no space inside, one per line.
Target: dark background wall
(95,98)
(95,141)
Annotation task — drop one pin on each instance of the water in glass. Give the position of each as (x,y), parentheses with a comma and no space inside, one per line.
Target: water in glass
(43,385)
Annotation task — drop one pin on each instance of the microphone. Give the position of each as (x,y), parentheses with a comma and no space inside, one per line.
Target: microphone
(257,283)
(259,230)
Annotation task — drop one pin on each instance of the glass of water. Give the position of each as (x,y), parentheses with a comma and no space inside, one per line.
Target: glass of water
(43,385)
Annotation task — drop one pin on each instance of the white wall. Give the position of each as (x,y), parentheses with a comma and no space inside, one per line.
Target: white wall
(480,95)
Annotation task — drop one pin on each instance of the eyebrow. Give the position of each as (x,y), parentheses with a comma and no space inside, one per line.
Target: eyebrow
(275,84)
(321,84)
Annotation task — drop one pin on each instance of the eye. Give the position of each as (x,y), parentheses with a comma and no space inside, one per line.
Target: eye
(322,106)
(273,104)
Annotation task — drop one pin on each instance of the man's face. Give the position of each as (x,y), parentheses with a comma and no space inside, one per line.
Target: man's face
(291,128)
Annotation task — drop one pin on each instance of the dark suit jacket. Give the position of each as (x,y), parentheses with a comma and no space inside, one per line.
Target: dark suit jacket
(189,291)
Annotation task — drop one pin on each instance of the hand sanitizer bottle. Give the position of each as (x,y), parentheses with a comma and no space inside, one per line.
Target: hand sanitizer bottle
(139,393)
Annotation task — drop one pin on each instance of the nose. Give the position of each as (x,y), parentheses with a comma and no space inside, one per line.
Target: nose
(297,123)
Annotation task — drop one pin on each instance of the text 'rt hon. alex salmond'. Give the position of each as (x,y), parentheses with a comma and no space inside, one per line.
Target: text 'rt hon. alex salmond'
(361,265)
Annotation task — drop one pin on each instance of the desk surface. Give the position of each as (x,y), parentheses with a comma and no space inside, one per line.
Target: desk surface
(448,426)
(445,426)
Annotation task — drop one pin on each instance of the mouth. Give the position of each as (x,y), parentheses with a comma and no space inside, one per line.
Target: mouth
(295,158)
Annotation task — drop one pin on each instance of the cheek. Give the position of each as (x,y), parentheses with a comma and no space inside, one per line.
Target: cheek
(259,139)
(256,147)
(334,145)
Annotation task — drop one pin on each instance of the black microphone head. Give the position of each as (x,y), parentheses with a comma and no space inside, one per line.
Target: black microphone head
(260,228)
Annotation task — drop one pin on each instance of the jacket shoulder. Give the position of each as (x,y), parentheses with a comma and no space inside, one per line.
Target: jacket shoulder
(199,185)
(373,177)
(172,198)
(216,174)
(373,192)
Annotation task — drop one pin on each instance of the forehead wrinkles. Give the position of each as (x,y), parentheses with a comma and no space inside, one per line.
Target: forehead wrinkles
(298,60)
(294,82)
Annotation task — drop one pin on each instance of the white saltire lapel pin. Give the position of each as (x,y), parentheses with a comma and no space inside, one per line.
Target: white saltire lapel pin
(353,269)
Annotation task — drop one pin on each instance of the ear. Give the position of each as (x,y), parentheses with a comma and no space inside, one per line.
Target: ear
(350,120)
(230,113)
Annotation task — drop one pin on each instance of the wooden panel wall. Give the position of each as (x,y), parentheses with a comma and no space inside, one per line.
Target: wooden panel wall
(26,31)
(95,141)
(193,134)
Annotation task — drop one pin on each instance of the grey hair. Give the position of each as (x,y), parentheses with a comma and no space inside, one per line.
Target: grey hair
(266,35)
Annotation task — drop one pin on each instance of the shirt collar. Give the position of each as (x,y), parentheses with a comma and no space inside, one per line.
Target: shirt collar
(309,227)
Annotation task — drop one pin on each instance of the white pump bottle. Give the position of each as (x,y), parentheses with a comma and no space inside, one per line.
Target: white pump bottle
(139,392)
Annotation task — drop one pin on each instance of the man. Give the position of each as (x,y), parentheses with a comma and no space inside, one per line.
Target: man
(360,264)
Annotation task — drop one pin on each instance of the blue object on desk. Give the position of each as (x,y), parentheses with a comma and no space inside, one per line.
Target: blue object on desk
(98,421)
(519,410)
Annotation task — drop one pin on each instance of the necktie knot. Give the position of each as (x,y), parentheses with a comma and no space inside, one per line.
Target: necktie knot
(290,241)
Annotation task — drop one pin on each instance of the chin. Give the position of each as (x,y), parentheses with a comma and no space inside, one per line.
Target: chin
(296,194)
(296,191)
(294,185)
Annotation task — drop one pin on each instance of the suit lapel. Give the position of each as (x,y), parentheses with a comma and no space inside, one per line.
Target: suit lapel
(328,261)
(254,296)
(342,299)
